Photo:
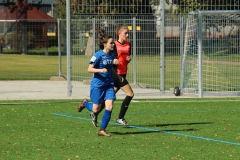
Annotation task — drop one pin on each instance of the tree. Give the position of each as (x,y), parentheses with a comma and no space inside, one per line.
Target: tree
(101,7)
(60,9)
(185,6)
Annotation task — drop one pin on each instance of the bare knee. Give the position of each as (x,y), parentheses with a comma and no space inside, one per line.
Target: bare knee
(130,94)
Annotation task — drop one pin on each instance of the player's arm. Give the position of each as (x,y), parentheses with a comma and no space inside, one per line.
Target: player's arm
(91,69)
(128,58)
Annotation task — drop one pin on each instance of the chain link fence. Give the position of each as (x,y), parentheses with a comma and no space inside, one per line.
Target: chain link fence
(48,37)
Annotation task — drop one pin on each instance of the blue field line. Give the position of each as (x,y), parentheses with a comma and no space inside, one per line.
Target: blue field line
(202,138)
(154,130)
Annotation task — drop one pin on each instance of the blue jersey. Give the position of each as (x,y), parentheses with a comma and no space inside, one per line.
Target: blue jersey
(102,60)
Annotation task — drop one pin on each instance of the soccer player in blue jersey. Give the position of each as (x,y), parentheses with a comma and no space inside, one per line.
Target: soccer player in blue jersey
(122,50)
(102,86)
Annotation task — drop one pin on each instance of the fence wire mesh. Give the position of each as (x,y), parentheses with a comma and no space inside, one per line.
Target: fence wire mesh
(218,43)
(144,70)
(221,43)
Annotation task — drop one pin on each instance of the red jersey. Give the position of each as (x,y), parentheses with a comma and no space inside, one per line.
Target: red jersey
(123,50)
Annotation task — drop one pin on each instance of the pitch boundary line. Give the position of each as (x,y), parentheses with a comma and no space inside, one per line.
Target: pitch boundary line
(154,130)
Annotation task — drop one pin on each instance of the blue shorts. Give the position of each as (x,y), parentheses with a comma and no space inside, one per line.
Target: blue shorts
(99,94)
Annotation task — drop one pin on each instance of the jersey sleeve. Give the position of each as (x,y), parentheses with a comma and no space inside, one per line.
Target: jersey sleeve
(94,60)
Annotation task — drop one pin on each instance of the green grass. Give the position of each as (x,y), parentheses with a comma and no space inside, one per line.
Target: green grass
(220,72)
(53,50)
(50,49)
(160,129)
(29,67)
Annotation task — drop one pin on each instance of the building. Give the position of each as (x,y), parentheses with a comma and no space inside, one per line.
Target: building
(25,26)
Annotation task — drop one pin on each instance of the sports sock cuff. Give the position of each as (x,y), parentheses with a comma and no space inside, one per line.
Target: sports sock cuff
(128,98)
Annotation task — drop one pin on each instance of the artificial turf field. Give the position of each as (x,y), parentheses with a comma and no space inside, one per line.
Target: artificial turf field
(191,129)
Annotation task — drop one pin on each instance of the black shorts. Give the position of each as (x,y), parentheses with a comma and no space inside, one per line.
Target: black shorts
(119,80)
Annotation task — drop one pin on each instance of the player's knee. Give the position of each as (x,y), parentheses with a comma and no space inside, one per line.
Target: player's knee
(131,94)
(110,107)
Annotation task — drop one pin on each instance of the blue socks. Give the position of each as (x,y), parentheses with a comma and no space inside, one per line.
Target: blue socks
(106,115)
(88,105)
(105,119)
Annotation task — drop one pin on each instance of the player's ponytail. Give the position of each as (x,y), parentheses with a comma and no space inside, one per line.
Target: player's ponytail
(101,32)
(103,38)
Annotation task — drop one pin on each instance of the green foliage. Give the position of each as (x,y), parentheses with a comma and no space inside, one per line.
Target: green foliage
(60,9)
(31,38)
(112,7)
(155,2)
(40,50)
(160,129)
(186,6)
(99,7)
(17,42)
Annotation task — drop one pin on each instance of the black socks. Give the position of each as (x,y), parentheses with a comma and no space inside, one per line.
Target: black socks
(124,106)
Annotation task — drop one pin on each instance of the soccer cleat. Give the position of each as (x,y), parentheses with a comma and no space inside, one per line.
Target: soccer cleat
(94,118)
(122,122)
(81,105)
(103,133)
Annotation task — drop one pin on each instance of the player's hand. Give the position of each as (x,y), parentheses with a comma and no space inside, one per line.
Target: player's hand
(116,62)
(104,70)
(128,58)
(120,78)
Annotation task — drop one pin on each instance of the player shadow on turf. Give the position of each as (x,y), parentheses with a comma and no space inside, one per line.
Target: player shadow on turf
(145,132)
(176,124)
(140,132)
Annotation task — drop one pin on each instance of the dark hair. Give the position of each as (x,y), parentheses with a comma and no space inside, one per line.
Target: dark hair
(103,38)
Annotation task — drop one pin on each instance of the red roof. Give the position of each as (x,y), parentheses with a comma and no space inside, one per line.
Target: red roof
(33,14)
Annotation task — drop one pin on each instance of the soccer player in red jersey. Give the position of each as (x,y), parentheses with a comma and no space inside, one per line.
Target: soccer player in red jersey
(123,54)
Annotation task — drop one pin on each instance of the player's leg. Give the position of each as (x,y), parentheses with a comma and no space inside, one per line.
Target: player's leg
(93,114)
(125,104)
(89,106)
(121,82)
(124,107)
(97,96)
(109,98)
(101,107)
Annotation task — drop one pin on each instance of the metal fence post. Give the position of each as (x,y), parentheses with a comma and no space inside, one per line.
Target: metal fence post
(93,32)
(69,87)
(162,2)
(134,52)
(200,90)
(181,50)
(59,49)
